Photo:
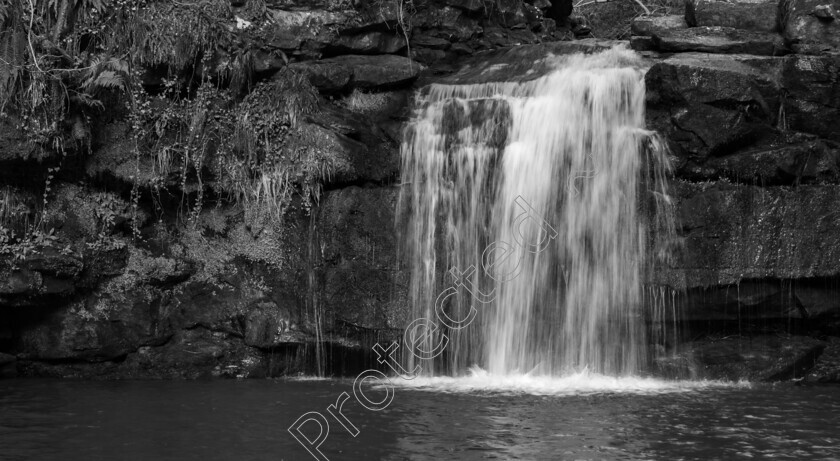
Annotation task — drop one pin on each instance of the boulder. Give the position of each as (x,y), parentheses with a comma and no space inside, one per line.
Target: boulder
(351,152)
(811,26)
(647,26)
(471,6)
(756,358)
(429,41)
(39,277)
(104,327)
(373,42)
(359,71)
(818,299)
(812,94)
(267,326)
(827,368)
(748,300)
(192,354)
(361,284)
(8,366)
(448,23)
(724,40)
(733,232)
(520,63)
(303,32)
(642,43)
(692,96)
(752,15)
(789,160)
(777,115)
(428,57)
(382,16)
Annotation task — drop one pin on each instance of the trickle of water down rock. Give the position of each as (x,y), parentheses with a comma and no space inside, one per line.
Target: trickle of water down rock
(570,147)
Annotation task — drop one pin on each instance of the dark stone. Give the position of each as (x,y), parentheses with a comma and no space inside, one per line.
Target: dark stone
(647,26)
(382,16)
(369,43)
(757,358)
(357,153)
(511,14)
(50,261)
(428,41)
(641,43)
(38,278)
(560,10)
(827,369)
(472,6)
(428,57)
(749,300)
(797,160)
(267,325)
(533,16)
(710,104)
(825,13)
(725,40)
(358,71)
(759,102)
(733,232)
(195,354)
(521,63)
(8,366)
(817,299)
(325,75)
(448,23)
(305,33)
(461,48)
(361,284)
(105,326)
(751,15)
(810,26)
(812,98)
(268,62)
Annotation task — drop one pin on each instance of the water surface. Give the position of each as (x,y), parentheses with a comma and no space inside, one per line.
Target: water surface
(247,420)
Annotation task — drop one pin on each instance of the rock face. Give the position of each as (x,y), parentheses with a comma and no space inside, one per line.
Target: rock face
(716,39)
(812,26)
(362,284)
(380,72)
(120,281)
(751,127)
(779,233)
(758,100)
(759,358)
(756,169)
(752,15)
(647,26)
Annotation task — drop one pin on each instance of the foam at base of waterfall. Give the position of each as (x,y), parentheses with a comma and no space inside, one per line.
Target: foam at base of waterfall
(581,383)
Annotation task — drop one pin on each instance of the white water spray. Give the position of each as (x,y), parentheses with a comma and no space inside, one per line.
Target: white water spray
(573,145)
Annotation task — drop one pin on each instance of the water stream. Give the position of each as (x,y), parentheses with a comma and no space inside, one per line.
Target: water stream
(561,293)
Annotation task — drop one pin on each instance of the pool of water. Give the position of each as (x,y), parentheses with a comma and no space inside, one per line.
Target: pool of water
(440,419)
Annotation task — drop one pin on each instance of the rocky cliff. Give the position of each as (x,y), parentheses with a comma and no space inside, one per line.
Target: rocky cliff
(218,200)
(151,261)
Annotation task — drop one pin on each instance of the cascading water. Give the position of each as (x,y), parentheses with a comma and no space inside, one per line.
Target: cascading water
(573,147)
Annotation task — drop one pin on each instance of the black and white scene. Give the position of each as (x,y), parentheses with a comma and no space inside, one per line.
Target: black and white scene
(357,230)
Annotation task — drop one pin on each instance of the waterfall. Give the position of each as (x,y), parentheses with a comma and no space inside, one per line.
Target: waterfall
(570,146)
